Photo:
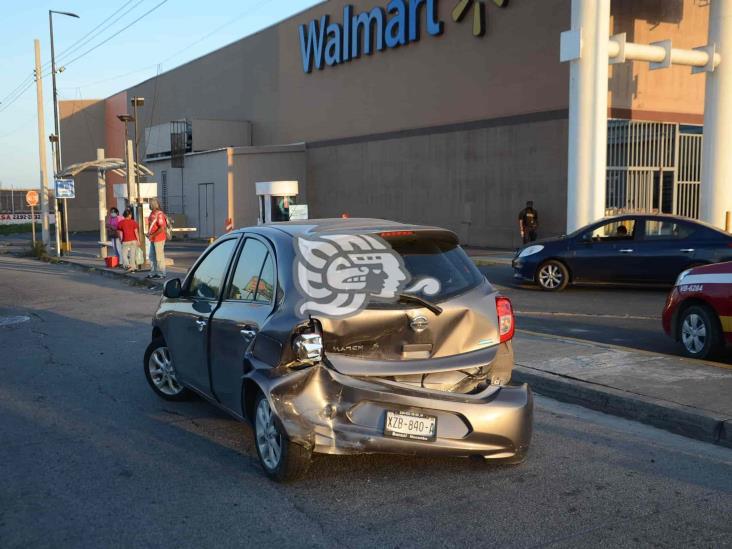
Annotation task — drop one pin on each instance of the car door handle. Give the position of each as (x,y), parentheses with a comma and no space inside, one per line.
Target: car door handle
(687,250)
(626,250)
(248,332)
(201,324)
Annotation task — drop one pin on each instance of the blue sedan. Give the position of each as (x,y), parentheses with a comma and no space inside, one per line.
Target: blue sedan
(625,249)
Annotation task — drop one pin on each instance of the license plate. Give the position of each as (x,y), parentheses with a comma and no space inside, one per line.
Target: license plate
(412,425)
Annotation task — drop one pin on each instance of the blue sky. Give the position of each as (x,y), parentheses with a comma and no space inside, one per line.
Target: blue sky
(174,33)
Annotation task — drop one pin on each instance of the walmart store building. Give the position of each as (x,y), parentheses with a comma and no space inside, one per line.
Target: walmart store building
(394,109)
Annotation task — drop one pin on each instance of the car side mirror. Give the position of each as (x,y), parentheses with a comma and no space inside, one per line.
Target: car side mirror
(586,238)
(172,288)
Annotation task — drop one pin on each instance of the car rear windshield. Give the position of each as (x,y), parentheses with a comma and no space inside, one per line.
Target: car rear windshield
(427,256)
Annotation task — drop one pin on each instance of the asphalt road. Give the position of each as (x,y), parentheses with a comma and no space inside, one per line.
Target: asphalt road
(89,457)
(625,316)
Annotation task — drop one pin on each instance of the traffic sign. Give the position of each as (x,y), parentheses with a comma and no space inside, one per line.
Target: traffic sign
(65,188)
(31,197)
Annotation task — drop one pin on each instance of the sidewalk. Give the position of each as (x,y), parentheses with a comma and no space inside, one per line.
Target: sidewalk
(489,256)
(689,397)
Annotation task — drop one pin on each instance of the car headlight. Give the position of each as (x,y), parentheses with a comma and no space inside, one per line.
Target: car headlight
(308,348)
(531,250)
(681,277)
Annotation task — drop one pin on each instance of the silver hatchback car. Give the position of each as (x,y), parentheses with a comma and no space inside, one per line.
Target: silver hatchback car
(344,336)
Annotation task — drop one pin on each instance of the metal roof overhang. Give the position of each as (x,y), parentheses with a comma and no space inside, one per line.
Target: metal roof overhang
(114,165)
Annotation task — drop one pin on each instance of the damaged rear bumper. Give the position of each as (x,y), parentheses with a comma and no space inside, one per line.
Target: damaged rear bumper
(333,413)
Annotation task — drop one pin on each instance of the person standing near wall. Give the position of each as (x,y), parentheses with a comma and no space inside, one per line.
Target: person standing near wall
(128,231)
(528,222)
(157,234)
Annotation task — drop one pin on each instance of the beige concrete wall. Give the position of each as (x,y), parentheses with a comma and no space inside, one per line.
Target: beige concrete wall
(255,164)
(672,94)
(82,132)
(471,181)
(199,169)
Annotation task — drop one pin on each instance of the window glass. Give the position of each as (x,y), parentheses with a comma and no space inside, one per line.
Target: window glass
(208,277)
(657,229)
(246,284)
(428,257)
(265,288)
(615,230)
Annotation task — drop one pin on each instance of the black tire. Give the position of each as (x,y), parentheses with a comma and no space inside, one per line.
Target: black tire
(293,460)
(552,276)
(160,373)
(699,332)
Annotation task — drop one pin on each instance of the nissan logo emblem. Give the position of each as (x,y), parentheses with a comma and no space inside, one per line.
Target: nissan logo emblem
(418,324)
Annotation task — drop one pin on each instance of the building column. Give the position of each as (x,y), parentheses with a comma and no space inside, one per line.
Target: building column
(588,78)
(716,182)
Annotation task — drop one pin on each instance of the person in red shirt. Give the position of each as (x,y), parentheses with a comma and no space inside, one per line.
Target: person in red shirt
(129,235)
(157,234)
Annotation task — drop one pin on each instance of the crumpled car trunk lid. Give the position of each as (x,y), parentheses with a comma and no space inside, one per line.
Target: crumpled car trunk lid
(410,344)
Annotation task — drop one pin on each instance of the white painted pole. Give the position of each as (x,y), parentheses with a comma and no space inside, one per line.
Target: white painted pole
(588,78)
(716,183)
(102,197)
(42,147)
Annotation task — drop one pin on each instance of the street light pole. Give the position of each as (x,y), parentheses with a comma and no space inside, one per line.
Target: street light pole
(57,141)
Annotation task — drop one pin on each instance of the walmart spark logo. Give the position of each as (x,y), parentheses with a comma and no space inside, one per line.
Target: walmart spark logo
(461,8)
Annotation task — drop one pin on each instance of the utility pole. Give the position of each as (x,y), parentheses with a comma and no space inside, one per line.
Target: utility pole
(57,140)
(42,146)
(102,196)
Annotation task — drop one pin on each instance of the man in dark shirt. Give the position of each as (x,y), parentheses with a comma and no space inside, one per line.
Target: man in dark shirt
(528,222)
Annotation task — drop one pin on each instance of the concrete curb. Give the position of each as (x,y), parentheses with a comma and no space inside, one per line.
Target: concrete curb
(682,420)
(141,282)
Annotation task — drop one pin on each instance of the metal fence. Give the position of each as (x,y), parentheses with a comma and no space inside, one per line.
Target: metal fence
(653,167)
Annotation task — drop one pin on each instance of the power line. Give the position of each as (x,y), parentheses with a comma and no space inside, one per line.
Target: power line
(83,42)
(6,106)
(148,12)
(182,50)
(78,41)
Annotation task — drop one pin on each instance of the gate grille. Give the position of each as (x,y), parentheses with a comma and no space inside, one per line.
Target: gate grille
(652,167)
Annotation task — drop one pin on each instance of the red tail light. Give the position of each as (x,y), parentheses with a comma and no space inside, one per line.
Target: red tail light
(388,234)
(506,322)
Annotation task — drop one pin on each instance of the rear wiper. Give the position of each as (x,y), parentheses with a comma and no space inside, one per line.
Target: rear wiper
(411,298)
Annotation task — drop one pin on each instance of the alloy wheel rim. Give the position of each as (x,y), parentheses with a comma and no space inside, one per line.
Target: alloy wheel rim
(550,276)
(269,439)
(694,333)
(162,372)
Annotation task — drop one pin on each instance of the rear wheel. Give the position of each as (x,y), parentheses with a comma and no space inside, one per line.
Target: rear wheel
(552,276)
(699,332)
(281,459)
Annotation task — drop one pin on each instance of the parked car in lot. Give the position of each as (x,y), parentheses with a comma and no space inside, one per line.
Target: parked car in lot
(625,249)
(698,311)
(426,373)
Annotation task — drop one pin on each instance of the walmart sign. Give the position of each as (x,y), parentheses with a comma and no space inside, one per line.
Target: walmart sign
(326,43)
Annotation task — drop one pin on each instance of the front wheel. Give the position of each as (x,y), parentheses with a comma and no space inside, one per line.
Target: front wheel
(281,459)
(552,276)
(160,372)
(699,332)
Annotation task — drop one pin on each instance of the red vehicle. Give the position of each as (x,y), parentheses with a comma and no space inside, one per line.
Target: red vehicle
(698,311)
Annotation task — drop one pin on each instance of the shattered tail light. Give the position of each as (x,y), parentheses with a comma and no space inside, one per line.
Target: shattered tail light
(506,322)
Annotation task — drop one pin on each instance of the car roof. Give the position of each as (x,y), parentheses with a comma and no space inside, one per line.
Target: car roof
(670,217)
(351,225)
